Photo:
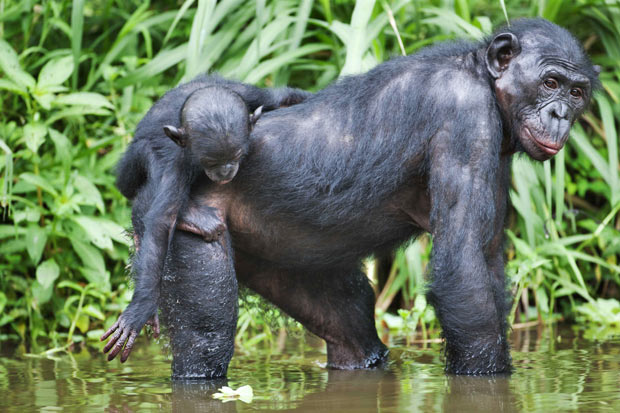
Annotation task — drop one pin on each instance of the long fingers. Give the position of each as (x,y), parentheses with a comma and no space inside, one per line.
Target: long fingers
(113,340)
(110,330)
(119,345)
(128,346)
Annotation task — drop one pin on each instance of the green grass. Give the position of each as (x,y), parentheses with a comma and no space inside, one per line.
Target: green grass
(77,76)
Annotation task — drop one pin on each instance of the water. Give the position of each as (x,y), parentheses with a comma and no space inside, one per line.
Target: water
(569,374)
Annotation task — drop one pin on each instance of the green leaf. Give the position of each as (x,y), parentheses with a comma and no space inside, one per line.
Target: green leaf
(44,98)
(61,144)
(40,293)
(90,256)
(84,99)
(12,87)
(93,311)
(88,190)
(76,111)
(34,135)
(3,301)
(36,237)
(82,323)
(39,181)
(47,273)
(101,279)
(9,63)
(55,72)
(94,231)
(7,231)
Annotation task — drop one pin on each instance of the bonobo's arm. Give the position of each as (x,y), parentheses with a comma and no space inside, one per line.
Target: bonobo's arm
(170,193)
(468,289)
(269,99)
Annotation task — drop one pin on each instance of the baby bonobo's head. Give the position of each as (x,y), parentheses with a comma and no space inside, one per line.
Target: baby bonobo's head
(215,127)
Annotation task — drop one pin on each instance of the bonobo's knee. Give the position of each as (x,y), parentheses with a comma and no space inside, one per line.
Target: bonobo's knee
(199,306)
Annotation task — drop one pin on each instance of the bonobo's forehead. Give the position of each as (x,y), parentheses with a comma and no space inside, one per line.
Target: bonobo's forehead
(549,46)
(550,65)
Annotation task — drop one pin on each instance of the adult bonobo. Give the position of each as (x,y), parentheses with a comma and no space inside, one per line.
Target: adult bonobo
(420,143)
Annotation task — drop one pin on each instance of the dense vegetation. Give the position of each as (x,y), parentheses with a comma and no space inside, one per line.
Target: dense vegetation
(76,77)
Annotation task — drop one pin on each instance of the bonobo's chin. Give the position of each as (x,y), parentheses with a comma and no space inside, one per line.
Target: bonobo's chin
(538,148)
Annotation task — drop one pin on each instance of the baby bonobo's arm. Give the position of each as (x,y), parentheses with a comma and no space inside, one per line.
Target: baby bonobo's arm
(148,264)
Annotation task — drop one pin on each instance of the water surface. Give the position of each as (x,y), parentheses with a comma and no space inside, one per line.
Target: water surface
(565,374)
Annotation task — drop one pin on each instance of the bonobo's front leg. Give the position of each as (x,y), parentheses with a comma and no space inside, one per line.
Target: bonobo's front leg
(468,290)
(148,263)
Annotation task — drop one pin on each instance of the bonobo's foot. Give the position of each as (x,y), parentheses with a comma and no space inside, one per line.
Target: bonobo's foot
(208,226)
(479,358)
(125,333)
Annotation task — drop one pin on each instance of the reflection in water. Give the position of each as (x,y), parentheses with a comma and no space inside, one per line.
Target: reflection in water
(551,375)
(479,394)
(195,396)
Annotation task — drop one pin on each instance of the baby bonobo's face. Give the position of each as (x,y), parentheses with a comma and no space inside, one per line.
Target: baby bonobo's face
(221,167)
(218,152)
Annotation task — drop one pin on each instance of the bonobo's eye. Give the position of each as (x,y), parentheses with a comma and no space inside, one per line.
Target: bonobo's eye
(551,83)
(576,93)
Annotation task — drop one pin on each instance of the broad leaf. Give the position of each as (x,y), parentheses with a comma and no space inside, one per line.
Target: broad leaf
(47,273)
(55,72)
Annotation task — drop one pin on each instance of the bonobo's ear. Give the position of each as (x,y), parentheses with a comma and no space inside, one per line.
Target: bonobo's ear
(176,134)
(500,52)
(597,69)
(255,116)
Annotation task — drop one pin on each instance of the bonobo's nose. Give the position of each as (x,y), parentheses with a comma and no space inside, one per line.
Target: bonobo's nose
(559,110)
(228,171)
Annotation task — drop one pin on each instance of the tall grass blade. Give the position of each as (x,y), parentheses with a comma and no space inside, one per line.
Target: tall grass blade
(77,27)
(611,138)
(200,30)
(186,5)
(356,45)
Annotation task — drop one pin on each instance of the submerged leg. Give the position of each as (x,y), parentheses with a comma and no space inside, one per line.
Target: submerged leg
(336,305)
(199,306)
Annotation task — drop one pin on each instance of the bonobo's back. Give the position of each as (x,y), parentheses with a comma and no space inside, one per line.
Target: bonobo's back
(355,144)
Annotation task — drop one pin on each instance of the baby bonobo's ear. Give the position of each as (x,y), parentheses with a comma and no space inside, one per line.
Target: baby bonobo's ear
(254,116)
(176,134)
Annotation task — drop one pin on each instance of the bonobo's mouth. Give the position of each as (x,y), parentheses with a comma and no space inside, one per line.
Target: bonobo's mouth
(548,148)
(224,182)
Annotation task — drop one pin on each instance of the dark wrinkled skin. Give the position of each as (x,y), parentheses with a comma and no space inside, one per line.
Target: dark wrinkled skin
(198,129)
(419,144)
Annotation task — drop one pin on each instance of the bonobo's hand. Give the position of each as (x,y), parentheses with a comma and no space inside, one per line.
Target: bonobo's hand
(125,334)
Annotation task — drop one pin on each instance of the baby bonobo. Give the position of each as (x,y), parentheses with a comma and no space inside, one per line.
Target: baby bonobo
(215,126)
(212,140)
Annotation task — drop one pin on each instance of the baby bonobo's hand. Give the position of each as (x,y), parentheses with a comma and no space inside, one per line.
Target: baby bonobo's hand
(207,224)
(125,334)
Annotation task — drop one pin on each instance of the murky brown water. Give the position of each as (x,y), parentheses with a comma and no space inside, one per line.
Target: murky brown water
(571,374)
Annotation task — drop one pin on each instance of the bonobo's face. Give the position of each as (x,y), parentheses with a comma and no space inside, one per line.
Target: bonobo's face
(219,156)
(541,90)
(221,166)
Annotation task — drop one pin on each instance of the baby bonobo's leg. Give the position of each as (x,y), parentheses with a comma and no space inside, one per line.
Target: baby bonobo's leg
(206,222)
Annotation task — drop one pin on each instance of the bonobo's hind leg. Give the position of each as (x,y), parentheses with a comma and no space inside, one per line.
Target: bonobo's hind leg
(199,305)
(336,305)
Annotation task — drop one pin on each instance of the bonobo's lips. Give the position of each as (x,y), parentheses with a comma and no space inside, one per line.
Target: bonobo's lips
(549,149)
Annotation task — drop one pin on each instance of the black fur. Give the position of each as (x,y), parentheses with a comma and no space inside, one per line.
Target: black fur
(208,122)
(420,143)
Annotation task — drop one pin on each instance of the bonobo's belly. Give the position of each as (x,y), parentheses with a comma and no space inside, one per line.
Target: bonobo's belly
(291,241)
